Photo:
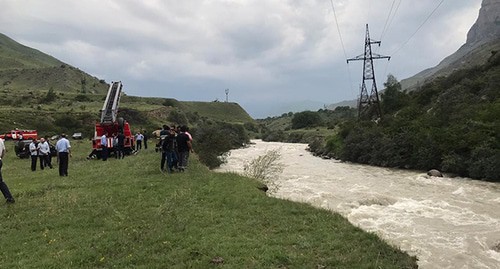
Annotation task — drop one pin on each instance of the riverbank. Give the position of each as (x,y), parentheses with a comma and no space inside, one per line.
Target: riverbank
(445,222)
(126,214)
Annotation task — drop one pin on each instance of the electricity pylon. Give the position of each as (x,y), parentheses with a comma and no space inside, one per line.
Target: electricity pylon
(368,104)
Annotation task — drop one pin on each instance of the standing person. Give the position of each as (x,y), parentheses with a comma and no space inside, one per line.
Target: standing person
(63,149)
(33,153)
(3,187)
(145,139)
(168,147)
(44,152)
(120,144)
(183,147)
(48,161)
(164,131)
(138,139)
(104,147)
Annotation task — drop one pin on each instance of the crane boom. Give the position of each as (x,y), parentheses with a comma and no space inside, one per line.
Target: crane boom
(109,110)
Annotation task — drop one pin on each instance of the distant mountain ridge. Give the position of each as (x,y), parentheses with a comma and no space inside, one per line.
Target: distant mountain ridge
(41,92)
(23,69)
(14,55)
(483,39)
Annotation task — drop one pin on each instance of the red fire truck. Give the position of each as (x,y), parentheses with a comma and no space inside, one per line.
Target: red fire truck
(20,135)
(110,124)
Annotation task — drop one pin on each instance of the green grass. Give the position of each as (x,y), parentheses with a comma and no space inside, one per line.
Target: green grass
(221,111)
(126,214)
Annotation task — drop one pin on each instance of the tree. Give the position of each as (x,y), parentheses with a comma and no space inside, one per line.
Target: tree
(305,119)
(392,98)
(51,96)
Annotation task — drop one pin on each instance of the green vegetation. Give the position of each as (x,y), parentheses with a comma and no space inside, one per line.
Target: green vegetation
(43,93)
(451,124)
(126,214)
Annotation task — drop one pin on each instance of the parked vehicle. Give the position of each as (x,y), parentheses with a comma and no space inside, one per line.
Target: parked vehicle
(111,125)
(20,135)
(77,136)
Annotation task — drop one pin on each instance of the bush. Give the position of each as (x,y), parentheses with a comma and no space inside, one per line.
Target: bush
(82,98)
(177,117)
(305,119)
(212,141)
(265,169)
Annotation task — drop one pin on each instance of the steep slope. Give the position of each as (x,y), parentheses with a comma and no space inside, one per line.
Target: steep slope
(43,93)
(23,69)
(16,56)
(483,39)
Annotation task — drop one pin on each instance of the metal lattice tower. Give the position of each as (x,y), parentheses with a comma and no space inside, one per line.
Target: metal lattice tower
(368,103)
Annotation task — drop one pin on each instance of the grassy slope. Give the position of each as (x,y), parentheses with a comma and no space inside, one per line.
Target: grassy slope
(15,55)
(231,112)
(125,213)
(27,75)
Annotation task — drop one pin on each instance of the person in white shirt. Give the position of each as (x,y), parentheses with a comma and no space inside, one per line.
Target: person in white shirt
(44,152)
(63,149)
(138,139)
(104,147)
(34,153)
(3,187)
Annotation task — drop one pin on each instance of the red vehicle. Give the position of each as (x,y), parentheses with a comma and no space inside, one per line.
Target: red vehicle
(20,135)
(110,124)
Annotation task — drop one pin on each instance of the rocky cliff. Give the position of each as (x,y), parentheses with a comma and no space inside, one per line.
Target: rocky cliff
(483,39)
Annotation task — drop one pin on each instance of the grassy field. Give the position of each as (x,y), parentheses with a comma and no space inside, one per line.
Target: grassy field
(126,214)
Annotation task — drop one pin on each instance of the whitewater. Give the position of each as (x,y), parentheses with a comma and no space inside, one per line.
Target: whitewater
(445,222)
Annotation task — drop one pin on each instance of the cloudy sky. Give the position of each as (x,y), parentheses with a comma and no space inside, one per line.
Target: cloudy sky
(270,54)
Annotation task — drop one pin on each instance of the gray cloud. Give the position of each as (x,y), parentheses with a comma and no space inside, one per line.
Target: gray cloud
(266,52)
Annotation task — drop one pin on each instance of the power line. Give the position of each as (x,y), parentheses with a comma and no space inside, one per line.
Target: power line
(343,47)
(338,29)
(426,19)
(387,20)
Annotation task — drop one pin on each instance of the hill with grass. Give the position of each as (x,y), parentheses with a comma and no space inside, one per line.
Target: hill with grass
(40,92)
(451,123)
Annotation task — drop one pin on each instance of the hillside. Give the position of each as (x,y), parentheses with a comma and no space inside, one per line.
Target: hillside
(17,56)
(483,39)
(43,93)
(451,124)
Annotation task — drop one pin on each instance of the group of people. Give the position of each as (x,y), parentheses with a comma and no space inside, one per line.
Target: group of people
(119,145)
(39,149)
(175,145)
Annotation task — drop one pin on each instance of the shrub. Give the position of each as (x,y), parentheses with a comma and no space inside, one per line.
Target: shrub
(177,117)
(213,140)
(82,98)
(305,119)
(265,169)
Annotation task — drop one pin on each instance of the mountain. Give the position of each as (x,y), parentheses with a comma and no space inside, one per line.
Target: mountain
(483,39)
(24,69)
(41,92)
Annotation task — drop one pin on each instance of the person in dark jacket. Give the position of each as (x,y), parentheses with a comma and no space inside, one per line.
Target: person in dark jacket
(184,147)
(3,187)
(168,147)
(120,145)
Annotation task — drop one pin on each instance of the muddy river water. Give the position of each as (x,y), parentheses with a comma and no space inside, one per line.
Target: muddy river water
(445,222)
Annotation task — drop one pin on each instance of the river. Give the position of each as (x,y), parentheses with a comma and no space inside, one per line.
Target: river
(446,222)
